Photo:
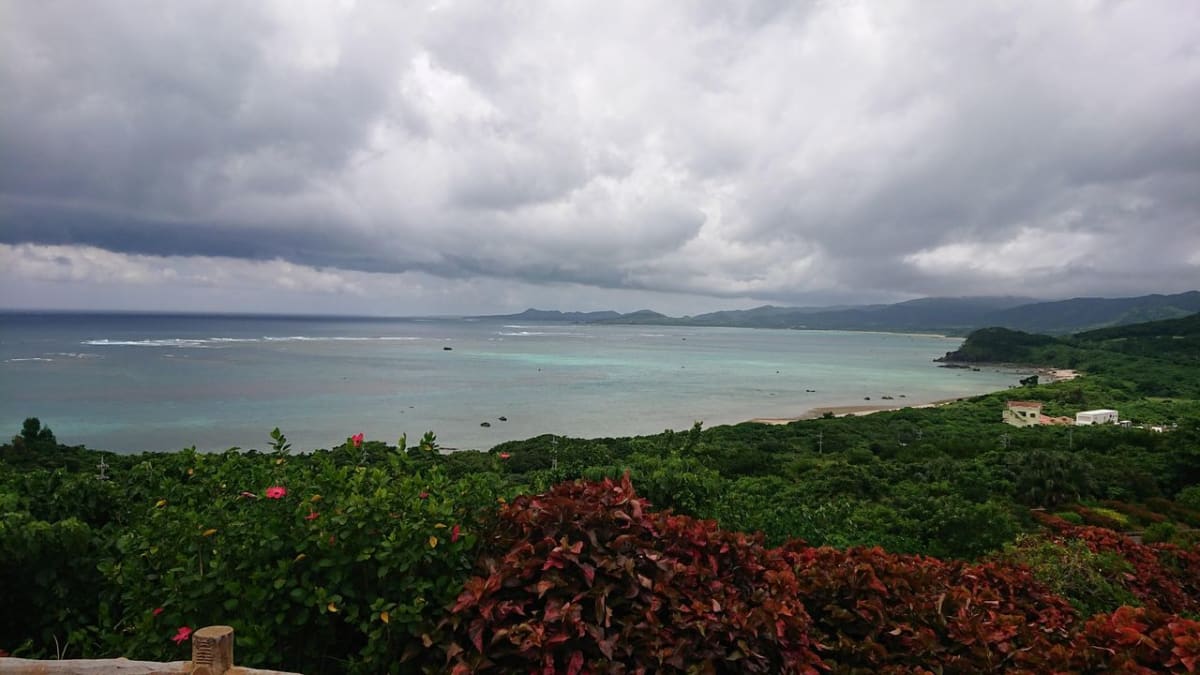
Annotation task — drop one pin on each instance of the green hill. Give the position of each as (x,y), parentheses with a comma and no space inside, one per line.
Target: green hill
(1066,316)
(1156,358)
(955,316)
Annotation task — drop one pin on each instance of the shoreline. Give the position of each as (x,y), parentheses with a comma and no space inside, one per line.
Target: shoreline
(847,410)
(1052,374)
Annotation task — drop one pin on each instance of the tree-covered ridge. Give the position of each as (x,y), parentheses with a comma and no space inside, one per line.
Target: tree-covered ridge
(999,345)
(1154,359)
(1174,339)
(956,316)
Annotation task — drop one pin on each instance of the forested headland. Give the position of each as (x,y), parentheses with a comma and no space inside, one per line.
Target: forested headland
(935,538)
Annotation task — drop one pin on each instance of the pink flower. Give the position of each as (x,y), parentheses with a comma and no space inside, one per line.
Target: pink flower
(505,455)
(183,634)
(357,439)
(276,492)
(157,611)
(454,534)
(312,516)
(423,495)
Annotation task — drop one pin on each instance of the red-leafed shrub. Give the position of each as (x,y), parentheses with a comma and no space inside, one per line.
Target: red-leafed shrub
(1051,521)
(873,611)
(585,579)
(1175,510)
(1137,640)
(1096,519)
(1141,513)
(1164,576)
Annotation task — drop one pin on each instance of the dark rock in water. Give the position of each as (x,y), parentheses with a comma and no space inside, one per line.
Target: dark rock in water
(447,349)
(485,424)
(866,398)
(502,418)
(901,395)
(811,391)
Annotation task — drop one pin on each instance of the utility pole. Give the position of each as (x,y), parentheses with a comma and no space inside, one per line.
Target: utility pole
(103,466)
(821,442)
(553,452)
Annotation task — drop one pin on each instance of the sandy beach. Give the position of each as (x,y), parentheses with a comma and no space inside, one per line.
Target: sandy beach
(1047,375)
(1058,374)
(843,410)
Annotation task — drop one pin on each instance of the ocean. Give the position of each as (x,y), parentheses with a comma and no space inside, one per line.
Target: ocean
(135,382)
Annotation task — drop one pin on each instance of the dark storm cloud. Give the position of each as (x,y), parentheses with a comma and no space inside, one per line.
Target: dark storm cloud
(775,151)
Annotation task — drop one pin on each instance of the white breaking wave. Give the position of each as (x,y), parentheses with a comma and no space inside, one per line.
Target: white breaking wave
(174,342)
(305,338)
(533,333)
(31,358)
(202,343)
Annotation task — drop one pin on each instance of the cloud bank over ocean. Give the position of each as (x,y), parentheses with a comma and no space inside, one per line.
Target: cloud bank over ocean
(459,157)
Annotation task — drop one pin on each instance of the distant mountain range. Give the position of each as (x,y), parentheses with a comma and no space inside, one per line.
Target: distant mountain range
(955,316)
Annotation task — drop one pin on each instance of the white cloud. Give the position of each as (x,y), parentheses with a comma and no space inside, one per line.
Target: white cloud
(1030,252)
(89,265)
(791,152)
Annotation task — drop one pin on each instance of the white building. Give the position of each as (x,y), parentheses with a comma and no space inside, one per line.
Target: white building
(1096,417)
(1022,413)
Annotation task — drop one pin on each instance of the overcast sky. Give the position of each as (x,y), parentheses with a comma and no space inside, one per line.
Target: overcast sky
(462,157)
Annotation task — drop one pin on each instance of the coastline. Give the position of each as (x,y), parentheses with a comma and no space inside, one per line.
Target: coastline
(845,410)
(1052,374)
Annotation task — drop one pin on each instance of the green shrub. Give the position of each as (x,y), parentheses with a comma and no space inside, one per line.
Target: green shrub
(1089,580)
(1159,532)
(1189,497)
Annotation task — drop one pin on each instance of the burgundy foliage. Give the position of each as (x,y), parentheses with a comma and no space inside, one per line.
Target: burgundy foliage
(587,579)
(1165,577)
(590,581)
(875,611)
(1095,519)
(1140,513)
(1138,640)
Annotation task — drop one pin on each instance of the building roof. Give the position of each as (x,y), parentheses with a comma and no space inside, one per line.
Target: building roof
(1097,412)
(1024,404)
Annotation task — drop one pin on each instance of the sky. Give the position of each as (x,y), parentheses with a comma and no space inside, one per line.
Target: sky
(483,157)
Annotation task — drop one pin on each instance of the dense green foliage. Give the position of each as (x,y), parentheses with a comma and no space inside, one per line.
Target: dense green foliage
(344,559)
(1155,359)
(330,561)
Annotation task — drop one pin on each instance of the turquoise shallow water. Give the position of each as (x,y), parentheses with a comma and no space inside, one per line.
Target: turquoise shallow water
(147,382)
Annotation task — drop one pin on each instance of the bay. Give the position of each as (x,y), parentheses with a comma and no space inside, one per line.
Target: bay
(134,382)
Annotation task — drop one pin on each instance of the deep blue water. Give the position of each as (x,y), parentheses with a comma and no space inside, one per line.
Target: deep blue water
(154,382)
